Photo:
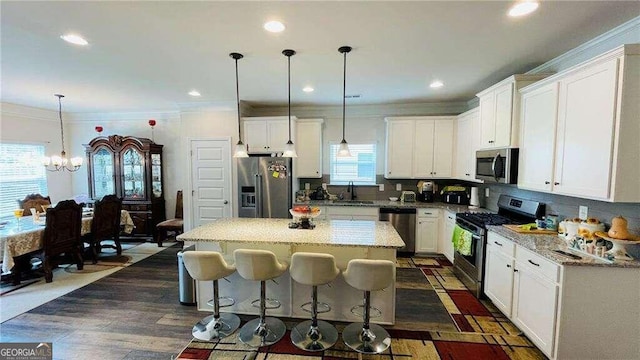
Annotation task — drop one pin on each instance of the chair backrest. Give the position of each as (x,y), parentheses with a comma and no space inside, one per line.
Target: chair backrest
(62,230)
(106,218)
(33,201)
(179,205)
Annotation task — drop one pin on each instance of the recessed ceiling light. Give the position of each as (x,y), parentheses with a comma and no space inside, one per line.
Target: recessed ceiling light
(523,8)
(274,26)
(74,39)
(436,84)
(194,93)
(307,89)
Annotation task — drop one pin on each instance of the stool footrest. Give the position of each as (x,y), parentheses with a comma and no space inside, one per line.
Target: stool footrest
(322,307)
(223,302)
(358,310)
(270,304)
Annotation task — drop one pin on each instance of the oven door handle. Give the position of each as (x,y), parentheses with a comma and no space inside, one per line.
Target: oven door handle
(493,166)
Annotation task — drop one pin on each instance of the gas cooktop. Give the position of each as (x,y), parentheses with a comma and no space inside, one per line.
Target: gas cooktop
(484,219)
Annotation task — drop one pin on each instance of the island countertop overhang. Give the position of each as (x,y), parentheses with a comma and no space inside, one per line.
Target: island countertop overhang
(358,233)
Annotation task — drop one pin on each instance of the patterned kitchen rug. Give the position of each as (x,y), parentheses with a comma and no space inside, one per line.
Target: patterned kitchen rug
(436,318)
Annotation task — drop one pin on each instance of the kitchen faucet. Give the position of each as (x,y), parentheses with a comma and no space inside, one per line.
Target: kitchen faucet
(351,188)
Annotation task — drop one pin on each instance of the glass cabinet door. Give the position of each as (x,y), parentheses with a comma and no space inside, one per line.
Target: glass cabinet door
(103,179)
(156,175)
(133,174)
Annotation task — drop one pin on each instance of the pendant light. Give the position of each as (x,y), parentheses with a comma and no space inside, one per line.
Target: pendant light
(241,149)
(61,163)
(343,151)
(289,149)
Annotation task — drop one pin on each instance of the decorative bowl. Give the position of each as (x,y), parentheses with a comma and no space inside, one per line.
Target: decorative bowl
(305,215)
(393,198)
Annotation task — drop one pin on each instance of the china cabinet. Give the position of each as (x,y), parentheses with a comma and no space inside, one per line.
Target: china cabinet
(131,168)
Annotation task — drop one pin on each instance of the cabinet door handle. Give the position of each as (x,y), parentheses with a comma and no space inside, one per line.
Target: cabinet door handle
(225,202)
(515,270)
(508,265)
(547,182)
(532,263)
(556,183)
(468,174)
(497,243)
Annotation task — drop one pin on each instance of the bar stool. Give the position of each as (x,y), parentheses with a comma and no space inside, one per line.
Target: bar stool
(260,265)
(368,276)
(314,269)
(210,266)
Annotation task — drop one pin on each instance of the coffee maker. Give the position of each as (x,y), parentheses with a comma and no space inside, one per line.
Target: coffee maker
(425,191)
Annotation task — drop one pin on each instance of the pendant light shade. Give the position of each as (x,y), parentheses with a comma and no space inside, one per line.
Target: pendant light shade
(241,149)
(343,151)
(289,149)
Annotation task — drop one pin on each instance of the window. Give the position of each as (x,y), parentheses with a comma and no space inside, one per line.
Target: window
(21,174)
(359,168)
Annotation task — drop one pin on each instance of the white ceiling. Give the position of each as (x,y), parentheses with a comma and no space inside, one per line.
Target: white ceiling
(146,56)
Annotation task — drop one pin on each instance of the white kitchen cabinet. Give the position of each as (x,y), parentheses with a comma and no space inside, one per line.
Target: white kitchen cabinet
(445,243)
(427,223)
(498,285)
(467,143)
(580,130)
(500,111)
(352,213)
(267,134)
(419,147)
(308,143)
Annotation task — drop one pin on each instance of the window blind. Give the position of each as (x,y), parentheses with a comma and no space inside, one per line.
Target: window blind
(21,174)
(359,168)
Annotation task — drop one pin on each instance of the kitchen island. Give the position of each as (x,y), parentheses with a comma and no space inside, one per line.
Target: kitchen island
(344,239)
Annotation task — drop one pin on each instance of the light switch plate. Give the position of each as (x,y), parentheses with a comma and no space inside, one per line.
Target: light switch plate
(324,186)
(583,213)
(381,187)
(486,192)
(307,186)
(398,187)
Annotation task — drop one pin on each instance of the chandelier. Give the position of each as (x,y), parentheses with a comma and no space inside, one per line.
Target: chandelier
(59,163)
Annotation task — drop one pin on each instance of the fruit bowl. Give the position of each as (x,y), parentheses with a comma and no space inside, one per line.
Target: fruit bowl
(310,214)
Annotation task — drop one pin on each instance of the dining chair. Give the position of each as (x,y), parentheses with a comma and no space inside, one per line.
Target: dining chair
(33,201)
(105,226)
(62,236)
(176,224)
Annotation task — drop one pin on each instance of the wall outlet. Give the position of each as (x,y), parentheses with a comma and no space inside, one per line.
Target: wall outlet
(486,192)
(583,212)
(381,187)
(307,186)
(398,187)
(324,186)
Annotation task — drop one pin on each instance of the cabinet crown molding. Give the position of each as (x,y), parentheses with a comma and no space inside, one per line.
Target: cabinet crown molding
(512,79)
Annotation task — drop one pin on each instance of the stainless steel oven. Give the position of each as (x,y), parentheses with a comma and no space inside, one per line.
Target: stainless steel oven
(469,268)
(497,166)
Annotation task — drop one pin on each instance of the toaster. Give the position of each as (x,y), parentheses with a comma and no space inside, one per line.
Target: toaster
(408,196)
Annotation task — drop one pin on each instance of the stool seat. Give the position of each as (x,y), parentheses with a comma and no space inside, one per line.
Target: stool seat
(260,265)
(313,269)
(211,266)
(368,275)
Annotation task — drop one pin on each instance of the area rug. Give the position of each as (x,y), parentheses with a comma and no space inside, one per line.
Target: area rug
(436,318)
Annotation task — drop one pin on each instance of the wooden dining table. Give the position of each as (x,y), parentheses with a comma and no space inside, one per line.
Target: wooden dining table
(26,236)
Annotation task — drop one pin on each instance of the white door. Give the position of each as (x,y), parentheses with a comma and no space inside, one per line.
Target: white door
(504,110)
(462,148)
(498,283)
(427,235)
(423,150)
(309,148)
(443,148)
(487,119)
(210,181)
(255,135)
(278,131)
(400,134)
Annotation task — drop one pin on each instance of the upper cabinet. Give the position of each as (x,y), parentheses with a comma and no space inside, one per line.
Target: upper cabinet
(581,127)
(267,134)
(467,142)
(309,148)
(499,111)
(419,147)
(130,168)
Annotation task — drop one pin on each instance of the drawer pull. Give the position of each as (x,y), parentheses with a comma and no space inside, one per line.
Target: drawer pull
(515,270)
(497,243)
(532,263)
(508,265)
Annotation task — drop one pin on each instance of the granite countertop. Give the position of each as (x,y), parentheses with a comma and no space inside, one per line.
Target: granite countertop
(276,231)
(544,245)
(387,203)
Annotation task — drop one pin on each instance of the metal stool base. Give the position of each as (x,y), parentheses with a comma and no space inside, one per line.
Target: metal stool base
(211,329)
(256,334)
(372,341)
(304,337)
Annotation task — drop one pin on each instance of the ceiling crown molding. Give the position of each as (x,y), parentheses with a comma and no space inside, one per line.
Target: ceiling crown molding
(29,112)
(123,116)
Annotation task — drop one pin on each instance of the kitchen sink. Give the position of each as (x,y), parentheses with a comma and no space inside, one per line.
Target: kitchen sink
(355,202)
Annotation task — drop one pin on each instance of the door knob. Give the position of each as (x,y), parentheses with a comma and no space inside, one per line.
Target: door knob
(556,183)
(225,202)
(547,182)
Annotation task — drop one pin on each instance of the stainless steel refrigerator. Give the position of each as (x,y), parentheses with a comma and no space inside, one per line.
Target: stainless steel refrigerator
(264,187)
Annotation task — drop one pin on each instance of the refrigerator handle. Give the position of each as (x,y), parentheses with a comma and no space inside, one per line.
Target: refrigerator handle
(258,196)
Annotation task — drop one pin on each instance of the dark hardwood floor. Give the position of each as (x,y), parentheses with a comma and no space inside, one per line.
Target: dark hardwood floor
(131,314)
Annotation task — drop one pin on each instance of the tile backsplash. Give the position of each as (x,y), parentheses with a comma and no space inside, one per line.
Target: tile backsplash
(566,206)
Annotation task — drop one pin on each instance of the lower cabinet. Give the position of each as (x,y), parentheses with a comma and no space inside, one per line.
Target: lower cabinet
(351,213)
(445,243)
(498,284)
(427,223)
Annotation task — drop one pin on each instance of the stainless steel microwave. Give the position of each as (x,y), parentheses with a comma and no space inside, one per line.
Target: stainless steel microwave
(497,166)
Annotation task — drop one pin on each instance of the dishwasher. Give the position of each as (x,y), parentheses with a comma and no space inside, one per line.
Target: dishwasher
(404,221)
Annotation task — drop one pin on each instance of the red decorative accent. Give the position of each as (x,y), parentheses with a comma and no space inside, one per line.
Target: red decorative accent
(467,303)
(99,129)
(152,123)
